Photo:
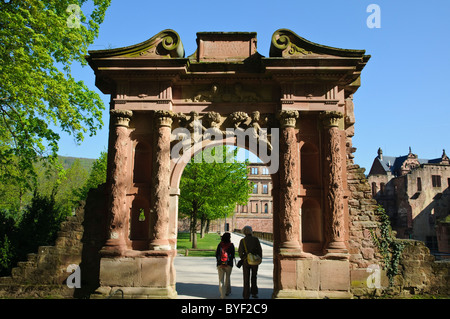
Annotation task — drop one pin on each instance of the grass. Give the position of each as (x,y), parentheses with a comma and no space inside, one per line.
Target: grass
(210,241)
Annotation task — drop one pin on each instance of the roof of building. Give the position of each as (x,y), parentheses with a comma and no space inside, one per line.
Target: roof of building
(394,165)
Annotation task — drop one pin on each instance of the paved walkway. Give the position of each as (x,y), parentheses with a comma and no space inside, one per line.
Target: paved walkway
(197,276)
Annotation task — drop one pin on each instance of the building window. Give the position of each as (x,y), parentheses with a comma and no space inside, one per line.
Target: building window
(382,188)
(374,189)
(265,189)
(254,207)
(265,171)
(254,170)
(419,184)
(266,208)
(255,188)
(436,180)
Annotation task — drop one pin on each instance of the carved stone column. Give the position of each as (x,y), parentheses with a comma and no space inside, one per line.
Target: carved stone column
(289,219)
(120,142)
(335,228)
(159,235)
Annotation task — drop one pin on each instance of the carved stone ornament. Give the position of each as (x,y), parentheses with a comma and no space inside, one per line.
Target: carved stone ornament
(121,117)
(331,119)
(164,118)
(165,44)
(225,93)
(287,118)
(238,118)
(288,44)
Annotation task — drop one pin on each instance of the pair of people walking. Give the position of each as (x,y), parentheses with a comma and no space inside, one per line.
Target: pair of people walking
(225,255)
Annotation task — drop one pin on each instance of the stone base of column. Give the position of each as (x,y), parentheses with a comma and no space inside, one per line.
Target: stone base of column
(309,276)
(134,293)
(113,247)
(311,294)
(336,250)
(160,244)
(291,244)
(138,274)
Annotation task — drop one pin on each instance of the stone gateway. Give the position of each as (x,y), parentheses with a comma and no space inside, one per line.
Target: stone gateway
(296,105)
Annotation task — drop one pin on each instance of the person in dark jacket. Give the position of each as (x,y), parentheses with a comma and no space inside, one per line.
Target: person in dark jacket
(250,272)
(225,255)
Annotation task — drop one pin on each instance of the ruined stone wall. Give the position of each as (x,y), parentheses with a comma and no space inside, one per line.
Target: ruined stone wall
(418,272)
(79,241)
(44,272)
(363,220)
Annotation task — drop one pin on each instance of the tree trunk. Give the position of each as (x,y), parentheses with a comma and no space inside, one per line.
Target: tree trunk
(208,222)
(202,226)
(194,225)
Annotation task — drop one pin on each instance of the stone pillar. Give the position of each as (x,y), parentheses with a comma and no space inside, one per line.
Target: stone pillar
(289,219)
(119,146)
(159,234)
(335,223)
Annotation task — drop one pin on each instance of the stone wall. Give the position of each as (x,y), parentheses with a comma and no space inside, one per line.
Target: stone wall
(418,272)
(362,220)
(79,240)
(44,273)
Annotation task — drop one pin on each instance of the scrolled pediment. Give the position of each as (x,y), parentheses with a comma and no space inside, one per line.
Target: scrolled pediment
(287,44)
(165,44)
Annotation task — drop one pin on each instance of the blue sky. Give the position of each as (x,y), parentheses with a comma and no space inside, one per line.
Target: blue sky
(403,100)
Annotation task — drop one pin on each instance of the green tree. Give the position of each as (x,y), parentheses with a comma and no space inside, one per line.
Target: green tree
(210,189)
(39,225)
(96,177)
(39,40)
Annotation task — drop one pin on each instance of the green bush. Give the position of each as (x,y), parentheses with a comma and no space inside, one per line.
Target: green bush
(38,225)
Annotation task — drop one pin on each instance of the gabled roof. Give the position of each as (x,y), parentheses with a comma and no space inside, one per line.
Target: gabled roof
(390,164)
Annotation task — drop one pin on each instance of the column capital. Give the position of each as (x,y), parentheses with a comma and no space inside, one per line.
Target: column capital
(331,118)
(287,118)
(121,117)
(164,118)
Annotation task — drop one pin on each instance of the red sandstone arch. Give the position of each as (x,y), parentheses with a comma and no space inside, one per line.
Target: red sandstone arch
(303,87)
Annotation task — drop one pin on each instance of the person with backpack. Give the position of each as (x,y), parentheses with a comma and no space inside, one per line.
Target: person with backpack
(225,256)
(250,251)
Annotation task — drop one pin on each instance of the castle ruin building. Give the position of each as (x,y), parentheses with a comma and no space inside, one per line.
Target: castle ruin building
(415,193)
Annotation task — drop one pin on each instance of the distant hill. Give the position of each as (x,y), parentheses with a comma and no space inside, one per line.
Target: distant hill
(86,163)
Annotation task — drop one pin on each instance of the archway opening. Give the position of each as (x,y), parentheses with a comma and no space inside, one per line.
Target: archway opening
(202,282)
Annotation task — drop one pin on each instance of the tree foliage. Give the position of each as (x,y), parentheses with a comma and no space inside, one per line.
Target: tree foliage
(96,177)
(38,43)
(34,223)
(210,189)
